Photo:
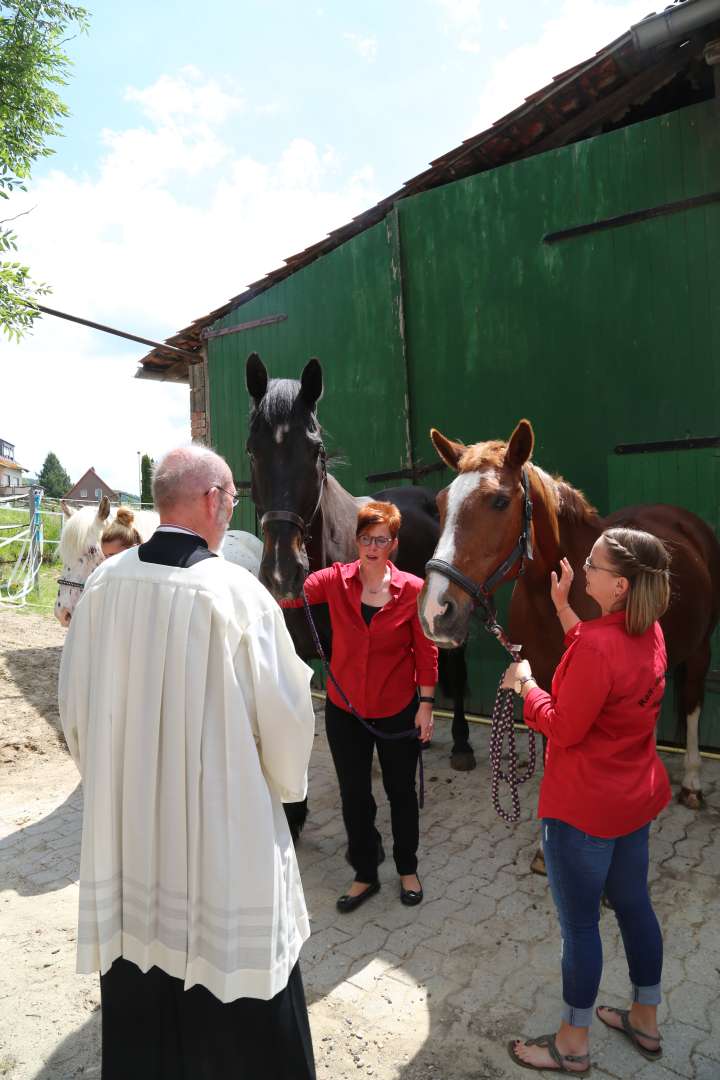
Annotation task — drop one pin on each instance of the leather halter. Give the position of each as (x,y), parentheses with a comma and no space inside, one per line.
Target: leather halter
(481,595)
(71,584)
(295,519)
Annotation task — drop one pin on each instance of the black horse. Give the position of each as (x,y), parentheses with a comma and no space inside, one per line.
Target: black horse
(308,521)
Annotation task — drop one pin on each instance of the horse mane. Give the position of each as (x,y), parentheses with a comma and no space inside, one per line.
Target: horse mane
(277,406)
(561,499)
(74,541)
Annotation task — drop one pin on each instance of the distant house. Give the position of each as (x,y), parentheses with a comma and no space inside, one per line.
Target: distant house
(10,471)
(90,488)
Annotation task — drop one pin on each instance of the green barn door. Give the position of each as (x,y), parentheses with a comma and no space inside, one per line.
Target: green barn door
(688,478)
(345,309)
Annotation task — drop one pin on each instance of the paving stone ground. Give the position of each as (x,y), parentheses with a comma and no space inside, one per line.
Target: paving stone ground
(395,993)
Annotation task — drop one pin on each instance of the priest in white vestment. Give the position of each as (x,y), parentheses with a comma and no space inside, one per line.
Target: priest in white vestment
(189,716)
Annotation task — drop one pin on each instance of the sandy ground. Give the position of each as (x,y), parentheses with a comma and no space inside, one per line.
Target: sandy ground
(394,993)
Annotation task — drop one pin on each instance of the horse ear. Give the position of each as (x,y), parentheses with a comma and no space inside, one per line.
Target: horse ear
(449,451)
(520,446)
(256,377)
(103,509)
(311,382)
(68,511)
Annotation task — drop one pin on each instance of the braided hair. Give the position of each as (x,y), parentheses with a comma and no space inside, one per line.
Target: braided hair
(644,561)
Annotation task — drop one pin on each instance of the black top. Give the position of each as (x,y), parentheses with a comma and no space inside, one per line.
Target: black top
(175,549)
(367,611)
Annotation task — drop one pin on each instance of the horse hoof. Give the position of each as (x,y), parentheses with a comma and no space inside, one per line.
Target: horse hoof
(537,866)
(692,799)
(463,761)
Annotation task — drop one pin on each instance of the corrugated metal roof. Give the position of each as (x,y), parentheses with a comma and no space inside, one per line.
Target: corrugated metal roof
(578,102)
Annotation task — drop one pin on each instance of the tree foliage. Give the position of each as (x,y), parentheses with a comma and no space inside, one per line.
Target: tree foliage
(33,66)
(146,468)
(53,478)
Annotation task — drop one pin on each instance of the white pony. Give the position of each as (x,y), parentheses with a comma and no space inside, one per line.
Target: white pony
(80,550)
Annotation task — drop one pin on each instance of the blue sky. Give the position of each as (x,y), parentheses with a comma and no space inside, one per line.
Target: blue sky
(208,142)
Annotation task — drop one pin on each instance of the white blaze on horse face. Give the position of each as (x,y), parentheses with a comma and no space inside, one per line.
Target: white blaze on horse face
(691,779)
(280,432)
(436,584)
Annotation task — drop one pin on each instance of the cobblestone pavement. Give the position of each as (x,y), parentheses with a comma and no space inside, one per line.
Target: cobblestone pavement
(396,992)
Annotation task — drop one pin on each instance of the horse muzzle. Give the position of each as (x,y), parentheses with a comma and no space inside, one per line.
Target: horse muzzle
(444,616)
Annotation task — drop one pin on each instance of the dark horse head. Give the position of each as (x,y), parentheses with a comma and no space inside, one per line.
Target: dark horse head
(287,469)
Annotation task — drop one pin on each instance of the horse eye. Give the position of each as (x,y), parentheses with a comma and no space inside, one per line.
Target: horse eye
(500,502)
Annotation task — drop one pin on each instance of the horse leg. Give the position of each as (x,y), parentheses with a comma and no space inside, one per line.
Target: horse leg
(296,814)
(537,863)
(462,758)
(691,687)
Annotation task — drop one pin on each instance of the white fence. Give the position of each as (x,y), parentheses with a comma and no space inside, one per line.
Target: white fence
(25,571)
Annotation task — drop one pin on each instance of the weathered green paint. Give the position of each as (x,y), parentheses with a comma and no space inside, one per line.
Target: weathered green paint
(344,309)
(453,313)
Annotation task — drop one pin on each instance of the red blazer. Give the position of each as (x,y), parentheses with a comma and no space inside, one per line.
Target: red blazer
(380,665)
(602,772)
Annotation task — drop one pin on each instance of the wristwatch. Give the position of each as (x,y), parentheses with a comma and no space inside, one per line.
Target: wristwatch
(526,678)
(426,697)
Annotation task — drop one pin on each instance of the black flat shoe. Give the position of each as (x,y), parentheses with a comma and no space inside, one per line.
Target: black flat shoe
(411,897)
(347,903)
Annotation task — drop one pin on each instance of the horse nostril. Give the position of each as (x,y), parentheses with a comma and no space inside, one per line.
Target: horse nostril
(450,608)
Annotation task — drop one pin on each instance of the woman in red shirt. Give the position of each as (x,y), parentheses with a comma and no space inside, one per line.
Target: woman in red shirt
(603,784)
(380,658)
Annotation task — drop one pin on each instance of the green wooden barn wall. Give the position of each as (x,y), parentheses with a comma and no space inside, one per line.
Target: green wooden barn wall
(454,313)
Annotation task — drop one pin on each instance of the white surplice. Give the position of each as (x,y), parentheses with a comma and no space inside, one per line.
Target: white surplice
(189,716)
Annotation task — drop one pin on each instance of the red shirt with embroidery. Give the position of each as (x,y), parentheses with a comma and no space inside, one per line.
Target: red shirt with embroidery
(602,772)
(378,665)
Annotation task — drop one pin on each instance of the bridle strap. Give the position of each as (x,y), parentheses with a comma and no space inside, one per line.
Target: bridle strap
(283,515)
(71,584)
(523,550)
(295,519)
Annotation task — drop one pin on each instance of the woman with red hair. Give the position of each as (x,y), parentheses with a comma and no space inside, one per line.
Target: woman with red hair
(387,670)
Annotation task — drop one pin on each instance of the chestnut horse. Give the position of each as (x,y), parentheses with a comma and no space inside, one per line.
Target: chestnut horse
(483,513)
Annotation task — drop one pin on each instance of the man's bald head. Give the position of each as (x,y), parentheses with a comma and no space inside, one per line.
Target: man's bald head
(184,475)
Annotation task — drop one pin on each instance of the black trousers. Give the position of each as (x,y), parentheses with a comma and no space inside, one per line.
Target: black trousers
(352,747)
(153,1029)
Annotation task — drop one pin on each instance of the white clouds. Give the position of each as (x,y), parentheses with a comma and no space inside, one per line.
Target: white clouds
(175,220)
(464,20)
(365,47)
(185,97)
(579,29)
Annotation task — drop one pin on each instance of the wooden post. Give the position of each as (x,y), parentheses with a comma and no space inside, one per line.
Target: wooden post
(36,535)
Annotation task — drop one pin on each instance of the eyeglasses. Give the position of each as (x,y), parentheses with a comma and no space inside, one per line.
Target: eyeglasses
(378,541)
(216,487)
(588,565)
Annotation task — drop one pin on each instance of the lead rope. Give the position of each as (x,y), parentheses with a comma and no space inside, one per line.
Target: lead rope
(502,728)
(411,733)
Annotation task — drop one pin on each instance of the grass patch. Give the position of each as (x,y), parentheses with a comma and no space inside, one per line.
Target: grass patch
(43,601)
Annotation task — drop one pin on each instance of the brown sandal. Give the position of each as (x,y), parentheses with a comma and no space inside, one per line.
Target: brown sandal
(548,1041)
(632,1033)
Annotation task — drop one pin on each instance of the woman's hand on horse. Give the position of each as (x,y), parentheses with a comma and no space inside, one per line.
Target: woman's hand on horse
(560,588)
(424,721)
(513,675)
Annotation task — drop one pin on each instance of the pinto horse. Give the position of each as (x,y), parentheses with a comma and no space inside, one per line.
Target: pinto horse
(308,519)
(483,513)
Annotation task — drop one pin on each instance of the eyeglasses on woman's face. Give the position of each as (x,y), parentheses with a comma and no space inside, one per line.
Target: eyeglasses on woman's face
(590,565)
(216,487)
(378,541)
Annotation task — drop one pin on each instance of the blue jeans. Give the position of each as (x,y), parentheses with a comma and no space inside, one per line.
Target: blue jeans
(580,868)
